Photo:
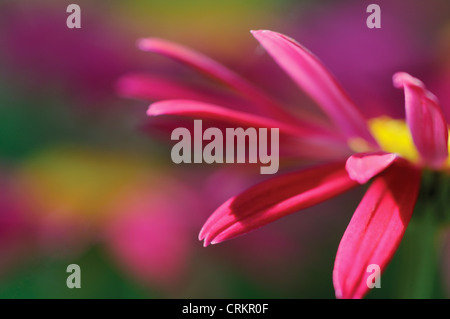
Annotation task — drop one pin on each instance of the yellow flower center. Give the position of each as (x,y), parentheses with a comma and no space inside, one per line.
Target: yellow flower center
(394,136)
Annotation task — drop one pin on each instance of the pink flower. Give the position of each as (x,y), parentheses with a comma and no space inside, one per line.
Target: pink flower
(383,151)
(146,232)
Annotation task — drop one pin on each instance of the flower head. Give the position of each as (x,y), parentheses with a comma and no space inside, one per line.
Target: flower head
(390,153)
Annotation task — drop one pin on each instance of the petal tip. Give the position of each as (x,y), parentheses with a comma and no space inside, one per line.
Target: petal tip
(148,44)
(338,294)
(153,110)
(215,241)
(207,241)
(362,167)
(400,79)
(202,234)
(258,33)
(140,43)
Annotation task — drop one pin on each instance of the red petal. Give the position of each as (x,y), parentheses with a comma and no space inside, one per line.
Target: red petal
(217,71)
(310,75)
(210,111)
(273,199)
(146,87)
(376,229)
(425,120)
(363,166)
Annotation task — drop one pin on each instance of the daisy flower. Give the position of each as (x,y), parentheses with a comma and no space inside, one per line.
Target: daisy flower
(390,154)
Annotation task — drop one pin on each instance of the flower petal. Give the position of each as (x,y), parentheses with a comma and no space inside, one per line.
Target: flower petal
(273,199)
(147,87)
(217,71)
(215,112)
(425,120)
(376,229)
(363,166)
(310,75)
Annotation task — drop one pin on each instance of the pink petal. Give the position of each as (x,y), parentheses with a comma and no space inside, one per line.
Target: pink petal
(214,112)
(376,229)
(217,71)
(363,166)
(425,120)
(313,149)
(146,87)
(310,75)
(273,199)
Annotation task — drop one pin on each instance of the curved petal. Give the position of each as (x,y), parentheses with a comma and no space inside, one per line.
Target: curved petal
(273,199)
(425,120)
(217,71)
(362,167)
(310,75)
(375,230)
(211,111)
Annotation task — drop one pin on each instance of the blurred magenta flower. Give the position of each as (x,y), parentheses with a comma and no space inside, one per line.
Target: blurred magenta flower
(147,233)
(40,53)
(15,226)
(385,151)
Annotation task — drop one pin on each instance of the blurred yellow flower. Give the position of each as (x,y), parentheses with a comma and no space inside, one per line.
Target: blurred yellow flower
(75,182)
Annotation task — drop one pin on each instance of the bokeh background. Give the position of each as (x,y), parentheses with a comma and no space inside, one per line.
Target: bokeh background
(85,179)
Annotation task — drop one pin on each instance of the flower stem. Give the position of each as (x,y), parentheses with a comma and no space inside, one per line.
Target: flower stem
(419,258)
